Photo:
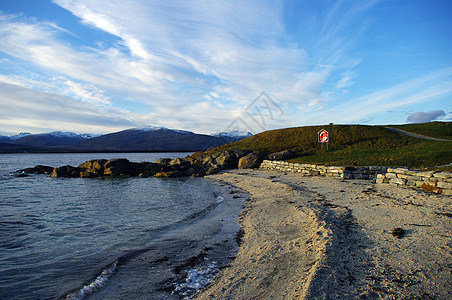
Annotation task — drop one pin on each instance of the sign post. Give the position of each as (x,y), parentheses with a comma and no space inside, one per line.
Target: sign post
(323,137)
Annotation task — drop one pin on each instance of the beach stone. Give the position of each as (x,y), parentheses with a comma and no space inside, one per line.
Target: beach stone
(398,232)
(250,161)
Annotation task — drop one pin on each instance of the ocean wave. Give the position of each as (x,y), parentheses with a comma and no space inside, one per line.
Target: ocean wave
(196,279)
(98,283)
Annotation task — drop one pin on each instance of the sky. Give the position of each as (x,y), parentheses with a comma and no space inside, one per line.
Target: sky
(94,66)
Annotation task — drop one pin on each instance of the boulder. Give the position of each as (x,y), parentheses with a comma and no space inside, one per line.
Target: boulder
(209,160)
(66,171)
(150,168)
(93,168)
(94,164)
(117,167)
(282,155)
(250,161)
(229,159)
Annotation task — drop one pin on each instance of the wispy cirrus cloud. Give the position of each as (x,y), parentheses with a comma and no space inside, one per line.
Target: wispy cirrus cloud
(195,65)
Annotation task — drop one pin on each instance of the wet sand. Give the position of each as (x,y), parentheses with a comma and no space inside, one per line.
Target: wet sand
(323,238)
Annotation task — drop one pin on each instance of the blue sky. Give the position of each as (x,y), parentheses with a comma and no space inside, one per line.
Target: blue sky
(102,66)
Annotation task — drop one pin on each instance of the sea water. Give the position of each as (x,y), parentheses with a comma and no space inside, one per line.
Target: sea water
(66,238)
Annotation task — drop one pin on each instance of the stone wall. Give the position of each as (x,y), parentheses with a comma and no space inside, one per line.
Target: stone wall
(319,170)
(433,181)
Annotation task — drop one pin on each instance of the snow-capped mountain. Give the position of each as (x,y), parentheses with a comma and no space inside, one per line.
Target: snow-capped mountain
(232,136)
(5,139)
(154,128)
(149,138)
(52,139)
(18,136)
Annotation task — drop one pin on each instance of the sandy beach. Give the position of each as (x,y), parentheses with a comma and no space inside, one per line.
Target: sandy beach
(323,238)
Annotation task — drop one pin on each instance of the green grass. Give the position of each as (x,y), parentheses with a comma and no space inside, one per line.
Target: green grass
(353,145)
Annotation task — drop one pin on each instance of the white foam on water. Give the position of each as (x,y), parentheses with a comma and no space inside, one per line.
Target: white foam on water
(219,199)
(95,285)
(197,278)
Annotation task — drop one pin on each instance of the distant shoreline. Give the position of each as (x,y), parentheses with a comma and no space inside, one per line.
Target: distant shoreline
(34,150)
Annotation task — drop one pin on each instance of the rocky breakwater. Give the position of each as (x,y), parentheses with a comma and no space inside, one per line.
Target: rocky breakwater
(196,165)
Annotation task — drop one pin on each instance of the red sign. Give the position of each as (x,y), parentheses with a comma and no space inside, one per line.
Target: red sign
(323,136)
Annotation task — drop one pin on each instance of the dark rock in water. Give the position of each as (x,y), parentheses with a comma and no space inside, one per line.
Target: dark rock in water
(196,165)
(95,166)
(117,167)
(149,169)
(250,161)
(21,175)
(398,232)
(282,155)
(39,169)
(66,171)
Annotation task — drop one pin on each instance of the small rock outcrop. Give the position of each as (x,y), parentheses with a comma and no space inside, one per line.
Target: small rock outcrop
(39,169)
(250,161)
(196,165)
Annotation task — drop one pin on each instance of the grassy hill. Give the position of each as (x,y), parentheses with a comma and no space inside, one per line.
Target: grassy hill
(356,145)
(441,130)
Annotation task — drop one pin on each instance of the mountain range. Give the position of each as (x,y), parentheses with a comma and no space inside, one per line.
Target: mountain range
(147,139)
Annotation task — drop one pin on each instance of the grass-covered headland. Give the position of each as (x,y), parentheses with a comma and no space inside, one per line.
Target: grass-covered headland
(357,145)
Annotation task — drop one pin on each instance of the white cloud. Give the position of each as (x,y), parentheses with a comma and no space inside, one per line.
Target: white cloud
(43,112)
(423,117)
(191,65)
